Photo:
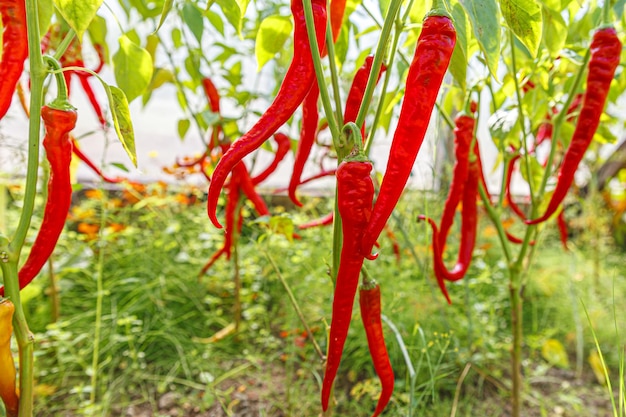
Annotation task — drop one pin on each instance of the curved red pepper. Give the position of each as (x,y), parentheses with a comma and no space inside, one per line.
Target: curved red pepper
(14,49)
(606,49)
(297,82)
(369,302)
(430,63)
(283,148)
(213,96)
(58,125)
(308,133)
(355,192)
(326,220)
(83,157)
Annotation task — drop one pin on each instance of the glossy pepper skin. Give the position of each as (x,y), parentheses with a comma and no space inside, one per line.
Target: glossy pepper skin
(297,82)
(430,63)
(606,49)
(308,133)
(58,125)
(369,302)
(355,192)
(14,49)
(8,392)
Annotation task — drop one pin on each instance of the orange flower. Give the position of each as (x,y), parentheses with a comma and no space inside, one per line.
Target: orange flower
(89,229)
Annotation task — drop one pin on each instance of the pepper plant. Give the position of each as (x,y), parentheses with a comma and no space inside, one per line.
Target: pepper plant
(540,73)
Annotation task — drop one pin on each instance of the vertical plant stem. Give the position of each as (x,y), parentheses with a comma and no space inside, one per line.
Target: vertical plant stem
(95,358)
(237,272)
(516,351)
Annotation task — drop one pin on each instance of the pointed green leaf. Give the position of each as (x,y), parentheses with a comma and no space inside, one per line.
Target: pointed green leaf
(458,62)
(194,20)
(232,11)
(167,7)
(554,31)
(97,32)
(78,13)
(45,10)
(183,127)
(216,21)
(525,20)
(271,37)
(120,113)
(483,15)
(133,68)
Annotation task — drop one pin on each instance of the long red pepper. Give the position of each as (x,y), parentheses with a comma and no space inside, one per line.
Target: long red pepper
(58,124)
(337,10)
(326,220)
(430,63)
(369,302)
(355,192)
(562,225)
(283,148)
(606,49)
(14,49)
(297,82)
(308,133)
(213,96)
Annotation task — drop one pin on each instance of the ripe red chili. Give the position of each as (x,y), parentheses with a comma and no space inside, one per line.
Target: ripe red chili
(297,82)
(337,10)
(432,56)
(562,224)
(369,302)
(8,392)
(213,96)
(14,49)
(58,124)
(308,133)
(355,192)
(326,220)
(283,148)
(606,49)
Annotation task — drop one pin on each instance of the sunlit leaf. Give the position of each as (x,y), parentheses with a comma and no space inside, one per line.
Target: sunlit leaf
(78,13)
(183,127)
(554,31)
(458,63)
(167,7)
(120,113)
(192,16)
(271,37)
(133,68)
(554,353)
(483,15)
(525,20)
(45,10)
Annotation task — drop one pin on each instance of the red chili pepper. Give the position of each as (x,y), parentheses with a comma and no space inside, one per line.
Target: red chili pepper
(247,186)
(432,56)
(606,49)
(308,133)
(355,193)
(14,49)
(83,157)
(8,392)
(326,220)
(284,146)
(357,91)
(369,301)
(297,82)
(58,124)
(213,96)
(83,77)
(337,10)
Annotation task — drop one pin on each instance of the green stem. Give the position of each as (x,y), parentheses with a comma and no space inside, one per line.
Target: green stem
(319,73)
(334,73)
(56,69)
(295,305)
(392,12)
(65,43)
(337,242)
(606,13)
(495,219)
(515,293)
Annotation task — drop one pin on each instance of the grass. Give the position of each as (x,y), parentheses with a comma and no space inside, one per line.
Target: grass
(162,329)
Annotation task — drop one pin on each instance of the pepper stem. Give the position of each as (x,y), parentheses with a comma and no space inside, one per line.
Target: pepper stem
(61,101)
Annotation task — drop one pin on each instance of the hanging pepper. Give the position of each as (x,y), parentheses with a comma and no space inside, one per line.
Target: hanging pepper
(213,96)
(14,49)
(58,123)
(283,148)
(326,220)
(430,63)
(8,392)
(369,302)
(606,49)
(337,10)
(355,192)
(562,224)
(308,133)
(297,82)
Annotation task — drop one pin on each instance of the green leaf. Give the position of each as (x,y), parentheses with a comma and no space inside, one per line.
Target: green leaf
(97,32)
(554,31)
(78,13)
(120,113)
(177,38)
(216,21)
(167,7)
(45,10)
(192,16)
(483,15)
(183,127)
(271,37)
(525,20)
(458,62)
(133,68)
(554,353)
(234,12)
